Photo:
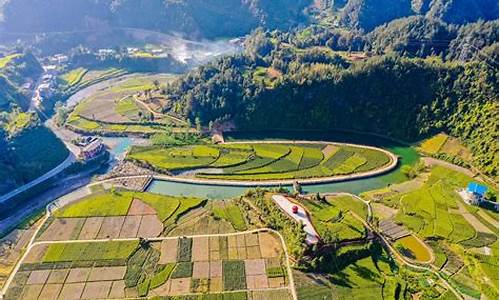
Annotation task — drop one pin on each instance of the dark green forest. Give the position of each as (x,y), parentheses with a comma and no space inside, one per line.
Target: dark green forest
(225,18)
(12,76)
(308,84)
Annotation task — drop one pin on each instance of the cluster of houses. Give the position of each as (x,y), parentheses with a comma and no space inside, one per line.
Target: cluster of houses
(47,83)
(131,51)
(475,194)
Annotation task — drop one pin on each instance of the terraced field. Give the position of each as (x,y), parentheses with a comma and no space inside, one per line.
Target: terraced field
(465,246)
(261,161)
(131,106)
(334,218)
(77,79)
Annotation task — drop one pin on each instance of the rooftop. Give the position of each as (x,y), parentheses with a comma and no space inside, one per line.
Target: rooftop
(476,188)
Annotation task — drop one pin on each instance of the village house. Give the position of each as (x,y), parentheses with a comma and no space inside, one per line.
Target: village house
(474,193)
(50,69)
(90,148)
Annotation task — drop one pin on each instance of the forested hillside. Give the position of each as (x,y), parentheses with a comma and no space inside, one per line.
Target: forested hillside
(15,70)
(226,18)
(27,149)
(368,14)
(193,18)
(276,84)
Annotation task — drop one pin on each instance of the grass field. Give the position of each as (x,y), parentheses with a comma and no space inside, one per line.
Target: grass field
(70,252)
(230,212)
(117,203)
(460,238)
(7,59)
(73,76)
(333,218)
(446,147)
(99,205)
(18,122)
(433,144)
(260,161)
(358,272)
(430,211)
(80,78)
(121,107)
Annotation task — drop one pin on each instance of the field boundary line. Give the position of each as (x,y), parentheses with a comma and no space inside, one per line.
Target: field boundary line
(394,252)
(32,243)
(393,162)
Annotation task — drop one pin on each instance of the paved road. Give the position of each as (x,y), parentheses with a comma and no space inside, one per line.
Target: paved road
(301,217)
(58,169)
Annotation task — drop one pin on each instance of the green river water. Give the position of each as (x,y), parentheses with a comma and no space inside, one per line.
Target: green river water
(407,156)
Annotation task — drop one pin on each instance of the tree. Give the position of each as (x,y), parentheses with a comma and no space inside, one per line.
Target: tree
(61,113)
(491,196)
(197,122)
(156,83)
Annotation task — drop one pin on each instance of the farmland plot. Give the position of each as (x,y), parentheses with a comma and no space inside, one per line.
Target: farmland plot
(256,161)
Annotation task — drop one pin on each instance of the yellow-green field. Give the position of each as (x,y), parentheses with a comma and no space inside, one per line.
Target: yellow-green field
(412,248)
(122,108)
(434,144)
(6,59)
(255,161)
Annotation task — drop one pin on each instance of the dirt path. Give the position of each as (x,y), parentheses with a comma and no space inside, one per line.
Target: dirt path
(487,218)
(473,221)
(430,161)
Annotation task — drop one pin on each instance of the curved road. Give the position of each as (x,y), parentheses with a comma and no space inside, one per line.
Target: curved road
(58,169)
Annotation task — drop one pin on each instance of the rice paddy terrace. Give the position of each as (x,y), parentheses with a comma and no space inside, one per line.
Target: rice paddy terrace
(128,105)
(276,161)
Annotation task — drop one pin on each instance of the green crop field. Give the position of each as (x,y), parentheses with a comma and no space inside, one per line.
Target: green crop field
(255,161)
(357,272)
(162,276)
(333,219)
(433,144)
(230,212)
(430,210)
(98,205)
(92,251)
(128,108)
(233,275)
(7,59)
(182,270)
(117,203)
(453,229)
(80,78)
(73,77)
